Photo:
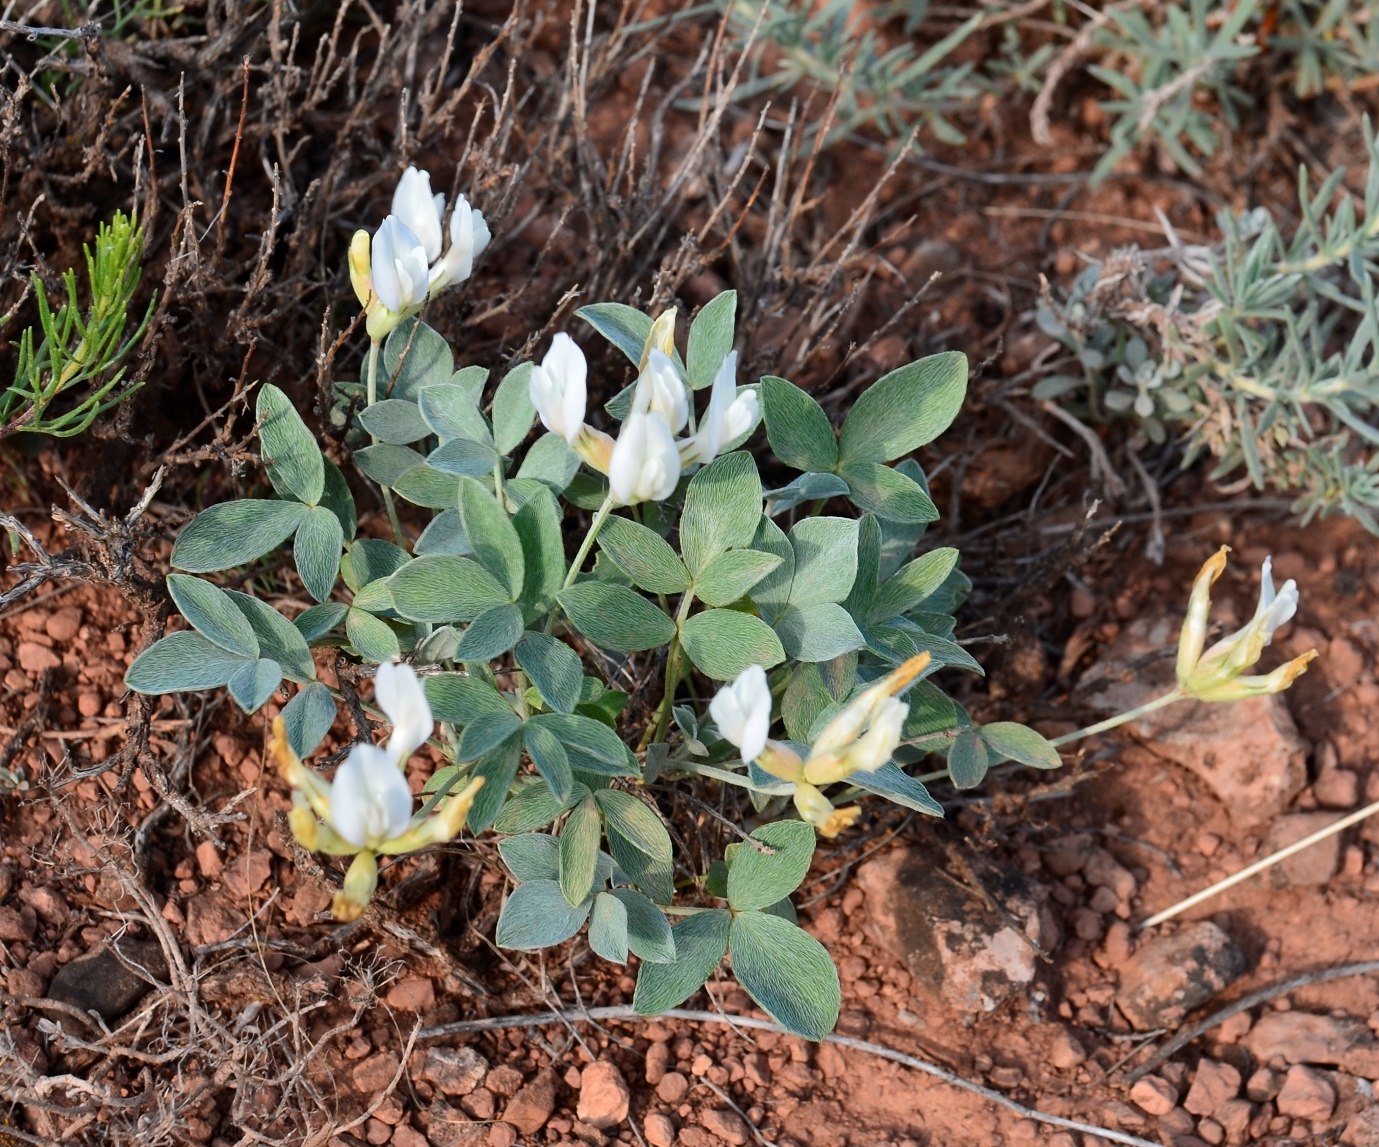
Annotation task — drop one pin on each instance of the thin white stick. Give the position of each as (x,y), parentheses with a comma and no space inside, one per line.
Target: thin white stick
(1260,865)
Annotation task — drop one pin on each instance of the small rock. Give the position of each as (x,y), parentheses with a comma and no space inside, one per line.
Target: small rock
(208,860)
(23,982)
(1263,1085)
(63,625)
(1313,866)
(672,1088)
(454,1070)
(1168,977)
(1105,871)
(211,918)
(1065,1052)
(529,1109)
(376,1072)
(1306,1094)
(603,1096)
(18,925)
(1213,1084)
(659,1130)
(657,1062)
(405,1136)
(1154,1096)
(502,1135)
(481,1103)
(414,994)
(1234,1117)
(89,704)
(953,940)
(1363,1129)
(1337,788)
(504,1080)
(103,984)
(726,1125)
(35,658)
(1302,1037)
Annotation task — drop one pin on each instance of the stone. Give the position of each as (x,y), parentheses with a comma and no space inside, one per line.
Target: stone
(1304,1037)
(454,1070)
(35,658)
(211,918)
(1154,1096)
(603,1096)
(1213,1084)
(1168,977)
(659,1130)
(1306,1094)
(375,1072)
(726,1125)
(1316,864)
(1263,1085)
(405,1136)
(1337,788)
(1363,1128)
(1234,1116)
(102,983)
(1103,870)
(17,925)
(504,1080)
(502,1135)
(1065,1052)
(446,1127)
(413,994)
(533,1104)
(955,941)
(208,860)
(64,624)
(657,1062)
(672,1088)
(1248,753)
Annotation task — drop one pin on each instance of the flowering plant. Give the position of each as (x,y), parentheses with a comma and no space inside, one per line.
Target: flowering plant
(827,622)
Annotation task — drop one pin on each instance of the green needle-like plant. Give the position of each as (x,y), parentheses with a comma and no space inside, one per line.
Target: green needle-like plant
(71,367)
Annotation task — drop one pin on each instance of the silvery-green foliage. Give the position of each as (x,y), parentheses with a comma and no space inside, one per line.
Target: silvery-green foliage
(824,582)
(1259,350)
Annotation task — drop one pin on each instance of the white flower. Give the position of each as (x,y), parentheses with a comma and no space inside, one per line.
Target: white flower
(742,711)
(403,701)
(424,212)
(370,802)
(864,733)
(399,268)
(1216,675)
(645,462)
(469,235)
(420,210)
(661,390)
(559,388)
(729,415)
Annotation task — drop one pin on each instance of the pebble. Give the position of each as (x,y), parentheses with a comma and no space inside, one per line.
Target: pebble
(502,1135)
(657,1062)
(672,1088)
(1104,870)
(1154,1096)
(603,1095)
(529,1109)
(1306,1094)
(64,624)
(1168,977)
(726,1125)
(1304,1037)
(1213,1084)
(659,1130)
(376,1072)
(35,658)
(454,1070)
(1315,865)
(1337,788)
(89,704)
(414,994)
(1065,1052)
(1263,1085)
(208,860)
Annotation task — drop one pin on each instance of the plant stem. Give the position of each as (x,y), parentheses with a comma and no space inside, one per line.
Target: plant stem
(1121,718)
(656,730)
(371,396)
(585,546)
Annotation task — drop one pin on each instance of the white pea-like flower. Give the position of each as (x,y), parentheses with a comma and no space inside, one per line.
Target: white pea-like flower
(367,809)
(370,802)
(1216,674)
(662,391)
(399,267)
(469,235)
(645,462)
(424,213)
(742,711)
(420,209)
(559,388)
(729,414)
